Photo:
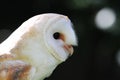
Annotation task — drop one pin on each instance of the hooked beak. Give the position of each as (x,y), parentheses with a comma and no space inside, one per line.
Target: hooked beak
(69,49)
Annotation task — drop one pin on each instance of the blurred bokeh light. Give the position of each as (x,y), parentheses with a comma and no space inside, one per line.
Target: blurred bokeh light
(105,18)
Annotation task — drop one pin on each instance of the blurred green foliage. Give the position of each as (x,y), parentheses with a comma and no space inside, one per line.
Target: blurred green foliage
(78,4)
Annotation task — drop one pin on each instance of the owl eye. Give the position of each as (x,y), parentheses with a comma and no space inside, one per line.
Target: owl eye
(56,35)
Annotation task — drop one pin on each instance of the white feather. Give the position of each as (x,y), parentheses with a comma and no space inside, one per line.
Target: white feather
(33,43)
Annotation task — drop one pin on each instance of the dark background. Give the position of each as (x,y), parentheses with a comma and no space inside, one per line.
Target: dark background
(95,57)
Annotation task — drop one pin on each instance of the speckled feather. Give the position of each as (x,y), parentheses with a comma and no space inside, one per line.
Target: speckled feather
(11,69)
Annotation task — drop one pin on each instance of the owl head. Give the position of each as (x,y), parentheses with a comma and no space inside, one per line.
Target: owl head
(58,35)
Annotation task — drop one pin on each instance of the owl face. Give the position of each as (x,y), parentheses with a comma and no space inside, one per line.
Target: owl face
(58,35)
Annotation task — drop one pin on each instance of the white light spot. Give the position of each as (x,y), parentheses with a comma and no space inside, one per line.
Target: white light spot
(105,18)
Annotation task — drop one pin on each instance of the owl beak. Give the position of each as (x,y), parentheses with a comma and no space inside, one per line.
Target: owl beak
(69,49)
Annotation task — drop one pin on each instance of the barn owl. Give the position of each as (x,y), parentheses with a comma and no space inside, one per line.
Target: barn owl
(37,47)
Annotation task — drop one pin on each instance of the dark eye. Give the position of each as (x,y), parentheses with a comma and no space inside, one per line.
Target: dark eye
(56,35)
